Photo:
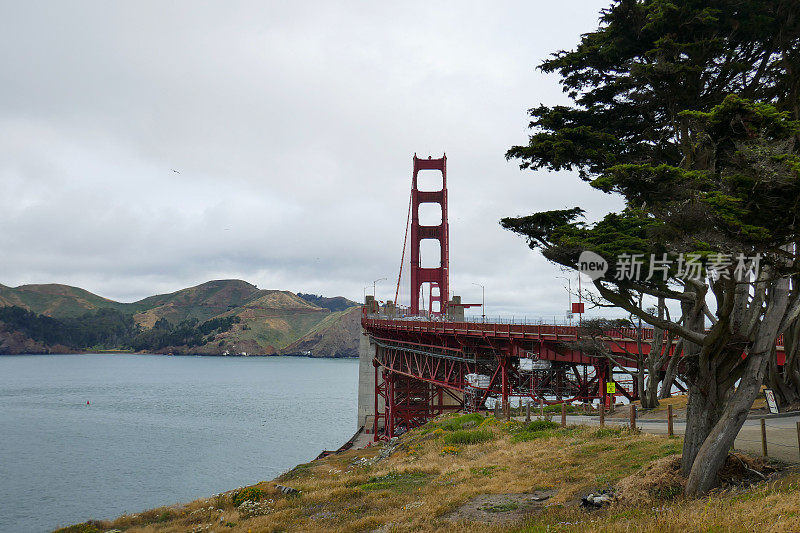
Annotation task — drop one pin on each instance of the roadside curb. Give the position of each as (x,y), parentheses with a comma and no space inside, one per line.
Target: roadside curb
(790,414)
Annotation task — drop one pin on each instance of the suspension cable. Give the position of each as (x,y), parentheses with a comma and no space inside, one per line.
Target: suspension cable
(403,256)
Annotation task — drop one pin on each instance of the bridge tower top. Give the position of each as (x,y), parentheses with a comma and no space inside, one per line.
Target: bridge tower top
(438,278)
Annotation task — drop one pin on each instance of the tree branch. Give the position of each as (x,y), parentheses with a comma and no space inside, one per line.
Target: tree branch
(624,303)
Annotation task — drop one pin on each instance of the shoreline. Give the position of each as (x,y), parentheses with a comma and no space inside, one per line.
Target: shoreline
(435,478)
(125,352)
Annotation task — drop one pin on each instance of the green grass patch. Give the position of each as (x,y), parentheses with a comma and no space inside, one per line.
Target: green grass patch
(455,423)
(486,471)
(500,507)
(540,429)
(464,436)
(671,448)
(539,425)
(397,481)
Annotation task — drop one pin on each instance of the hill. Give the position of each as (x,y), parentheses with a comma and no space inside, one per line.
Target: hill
(57,301)
(259,322)
(333,337)
(474,473)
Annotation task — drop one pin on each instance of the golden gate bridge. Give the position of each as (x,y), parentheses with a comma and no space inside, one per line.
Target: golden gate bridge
(417,364)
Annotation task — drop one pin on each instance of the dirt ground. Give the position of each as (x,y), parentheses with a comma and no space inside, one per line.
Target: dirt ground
(501,508)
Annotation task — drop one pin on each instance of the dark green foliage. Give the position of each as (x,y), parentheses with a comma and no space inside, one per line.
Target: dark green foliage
(655,120)
(253,494)
(337,303)
(540,429)
(104,327)
(454,423)
(648,61)
(110,329)
(216,325)
(463,436)
(461,422)
(186,333)
(539,425)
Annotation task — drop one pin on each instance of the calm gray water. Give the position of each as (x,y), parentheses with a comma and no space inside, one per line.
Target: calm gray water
(158,430)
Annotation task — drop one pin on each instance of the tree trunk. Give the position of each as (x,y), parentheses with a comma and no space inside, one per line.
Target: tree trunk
(714,450)
(654,361)
(640,383)
(668,381)
(701,410)
(650,394)
(701,416)
(703,475)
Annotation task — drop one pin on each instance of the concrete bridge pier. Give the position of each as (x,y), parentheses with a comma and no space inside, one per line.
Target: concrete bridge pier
(367,399)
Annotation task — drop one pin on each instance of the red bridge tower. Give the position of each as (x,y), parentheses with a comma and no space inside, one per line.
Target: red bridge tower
(438,277)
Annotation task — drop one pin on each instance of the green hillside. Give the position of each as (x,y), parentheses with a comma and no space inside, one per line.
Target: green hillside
(335,336)
(58,301)
(269,320)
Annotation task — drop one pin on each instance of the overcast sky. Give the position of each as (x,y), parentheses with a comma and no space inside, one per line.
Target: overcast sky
(292,126)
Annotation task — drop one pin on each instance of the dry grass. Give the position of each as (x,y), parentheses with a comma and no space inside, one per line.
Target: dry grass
(418,485)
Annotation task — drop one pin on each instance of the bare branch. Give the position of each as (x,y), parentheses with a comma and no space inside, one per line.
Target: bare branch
(611,296)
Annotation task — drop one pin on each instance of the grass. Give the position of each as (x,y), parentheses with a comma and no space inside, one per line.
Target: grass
(397,481)
(463,436)
(418,491)
(454,423)
(539,429)
(501,507)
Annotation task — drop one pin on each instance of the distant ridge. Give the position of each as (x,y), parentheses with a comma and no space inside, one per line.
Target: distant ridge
(269,320)
(337,303)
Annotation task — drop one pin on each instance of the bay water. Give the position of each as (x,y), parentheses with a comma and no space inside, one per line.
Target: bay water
(99,435)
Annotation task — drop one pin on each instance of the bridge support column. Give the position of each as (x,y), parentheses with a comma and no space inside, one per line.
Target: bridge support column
(367,382)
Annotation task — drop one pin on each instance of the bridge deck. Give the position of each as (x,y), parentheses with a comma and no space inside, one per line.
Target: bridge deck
(423,367)
(621,341)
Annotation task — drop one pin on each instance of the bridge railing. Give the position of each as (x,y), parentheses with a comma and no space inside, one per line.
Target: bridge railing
(497,324)
(544,326)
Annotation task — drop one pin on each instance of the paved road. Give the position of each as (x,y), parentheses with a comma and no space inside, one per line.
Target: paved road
(781,434)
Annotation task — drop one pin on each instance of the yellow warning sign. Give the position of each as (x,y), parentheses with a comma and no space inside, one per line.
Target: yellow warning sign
(611,388)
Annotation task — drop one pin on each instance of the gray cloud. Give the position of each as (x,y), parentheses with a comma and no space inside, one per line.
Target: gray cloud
(292,126)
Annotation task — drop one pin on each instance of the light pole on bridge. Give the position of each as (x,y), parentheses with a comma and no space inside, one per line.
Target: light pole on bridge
(483,301)
(373,285)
